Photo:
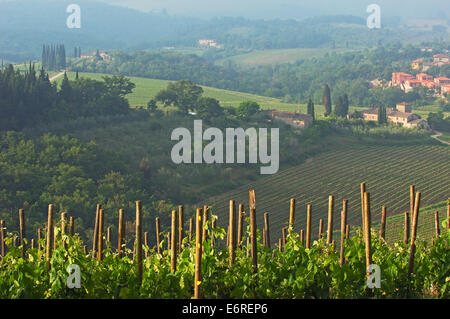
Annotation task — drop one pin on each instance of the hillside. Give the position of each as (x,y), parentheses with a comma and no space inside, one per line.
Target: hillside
(147,89)
(387,171)
(264,57)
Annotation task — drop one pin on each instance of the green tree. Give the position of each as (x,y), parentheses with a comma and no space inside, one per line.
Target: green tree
(327,100)
(382,118)
(183,95)
(208,108)
(247,109)
(310,109)
(118,84)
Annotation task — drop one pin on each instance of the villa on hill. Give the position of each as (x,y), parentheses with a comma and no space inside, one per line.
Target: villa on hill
(105,55)
(401,115)
(294,119)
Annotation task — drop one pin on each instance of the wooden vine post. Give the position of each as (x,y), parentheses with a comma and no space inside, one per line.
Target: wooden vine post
(436,223)
(240,225)
(367,233)
(49,244)
(39,237)
(291,216)
(2,237)
(158,236)
(64,223)
(94,238)
(308,226)
(343,226)
(448,214)
(22,231)
(232,226)
(180,228)
(412,250)
(347,231)
(363,190)
(191,228)
(63,228)
(383,223)
(320,228)
(71,226)
(205,219)
(267,229)
(173,246)
(330,219)
(198,254)
(121,233)
(100,235)
(302,236)
(139,240)
(108,235)
(407,228)
(411,204)
(252,207)
(283,236)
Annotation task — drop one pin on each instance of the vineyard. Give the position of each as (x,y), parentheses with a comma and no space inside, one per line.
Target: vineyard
(204,260)
(384,168)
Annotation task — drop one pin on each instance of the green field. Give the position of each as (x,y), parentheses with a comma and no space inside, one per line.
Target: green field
(148,88)
(275,56)
(387,170)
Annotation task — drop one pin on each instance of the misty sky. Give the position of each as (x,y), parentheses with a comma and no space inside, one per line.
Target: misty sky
(291,8)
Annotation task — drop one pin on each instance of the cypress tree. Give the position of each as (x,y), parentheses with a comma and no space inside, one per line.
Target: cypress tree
(63,57)
(345,105)
(382,115)
(327,100)
(44,56)
(310,109)
(66,89)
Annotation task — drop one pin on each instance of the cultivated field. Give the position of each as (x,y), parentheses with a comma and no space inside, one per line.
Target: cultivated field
(385,170)
(275,56)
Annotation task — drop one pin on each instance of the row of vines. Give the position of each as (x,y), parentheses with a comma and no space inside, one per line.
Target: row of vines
(204,260)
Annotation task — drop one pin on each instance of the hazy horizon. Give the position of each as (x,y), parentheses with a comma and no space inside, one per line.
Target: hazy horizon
(291,9)
(283,9)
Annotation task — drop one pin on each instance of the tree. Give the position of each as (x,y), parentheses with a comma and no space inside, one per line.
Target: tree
(382,118)
(118,84)
(247,109)
(327,100)
(310,109)
(183,95)
(151,105)
(208,108)
(66,89)
(341,107)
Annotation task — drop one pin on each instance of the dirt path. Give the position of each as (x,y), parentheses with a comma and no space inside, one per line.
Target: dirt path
(436,137)
(57,75)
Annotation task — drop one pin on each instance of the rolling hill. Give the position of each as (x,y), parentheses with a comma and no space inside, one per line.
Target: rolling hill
(387,170)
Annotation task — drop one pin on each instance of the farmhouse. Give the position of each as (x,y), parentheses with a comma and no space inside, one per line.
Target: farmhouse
(209,43)
(105,55)
(402,115)
(294,119)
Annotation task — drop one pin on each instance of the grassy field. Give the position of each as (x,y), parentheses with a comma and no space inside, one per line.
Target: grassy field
(275,56)
(148,88)
(387,170)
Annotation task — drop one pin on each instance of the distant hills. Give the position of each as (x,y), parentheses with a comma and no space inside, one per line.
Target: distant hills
(25,25)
